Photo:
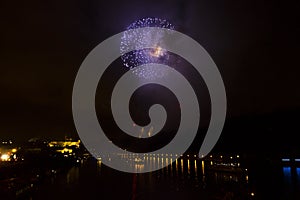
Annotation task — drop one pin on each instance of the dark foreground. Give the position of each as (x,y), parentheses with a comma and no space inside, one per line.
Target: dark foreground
(187,178)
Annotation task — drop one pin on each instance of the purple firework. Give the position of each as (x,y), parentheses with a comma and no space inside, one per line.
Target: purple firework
(140,39)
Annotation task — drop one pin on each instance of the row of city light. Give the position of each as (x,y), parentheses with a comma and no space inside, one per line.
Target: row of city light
(156,155)
(171,155)
(290,160)
(221,156)
(146,155)
(7,142)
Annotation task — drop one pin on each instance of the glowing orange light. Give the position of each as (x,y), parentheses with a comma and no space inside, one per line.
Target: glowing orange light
(158,51)
(4,157)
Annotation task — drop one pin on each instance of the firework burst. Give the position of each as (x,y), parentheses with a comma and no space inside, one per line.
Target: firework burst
(141,39)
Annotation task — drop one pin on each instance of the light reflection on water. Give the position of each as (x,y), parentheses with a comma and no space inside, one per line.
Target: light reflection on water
(298,173)
(287,171)
(291,176)
(186,176)
(73,175)
(189,168)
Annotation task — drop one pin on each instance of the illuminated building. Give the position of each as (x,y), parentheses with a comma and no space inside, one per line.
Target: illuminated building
(64,147)
(64,143)
(8,154)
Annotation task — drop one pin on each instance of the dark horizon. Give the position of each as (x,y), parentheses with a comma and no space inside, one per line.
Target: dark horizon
(267,134)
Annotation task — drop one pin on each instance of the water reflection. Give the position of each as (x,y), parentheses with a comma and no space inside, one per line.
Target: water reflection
(287,171)
(181,164)
(188,176)
(195,166)
(202,167)
(73,175)
(188,167)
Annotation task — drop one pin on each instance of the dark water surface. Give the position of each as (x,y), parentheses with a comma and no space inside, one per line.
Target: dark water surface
(184,179)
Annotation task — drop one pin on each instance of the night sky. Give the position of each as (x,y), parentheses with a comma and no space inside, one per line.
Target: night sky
(254,43)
